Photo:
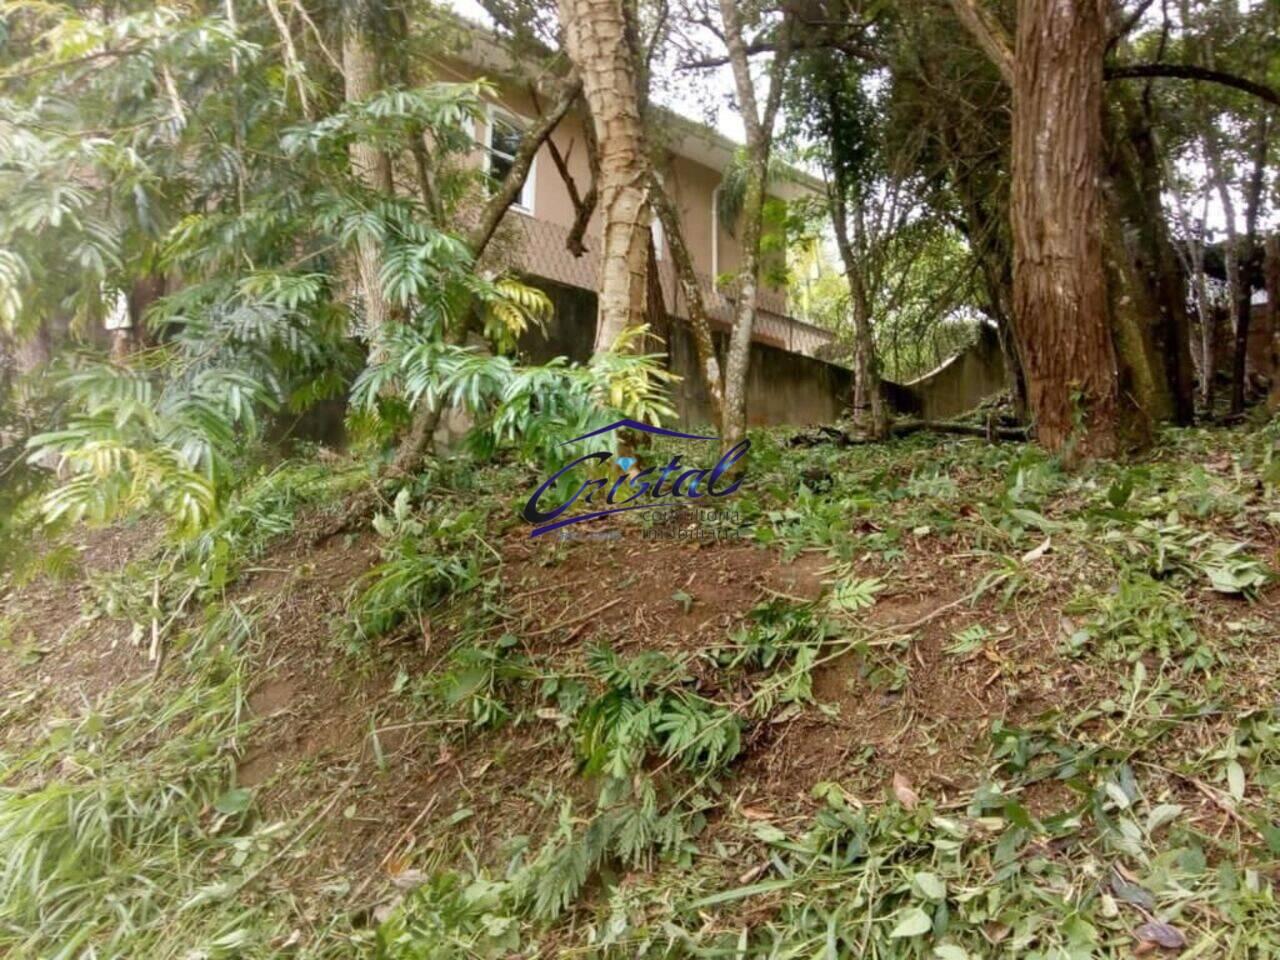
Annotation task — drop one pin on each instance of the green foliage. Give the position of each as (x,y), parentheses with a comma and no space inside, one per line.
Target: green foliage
(418,568)
(86,822)
(534,409)
(1141,616)
(645,709)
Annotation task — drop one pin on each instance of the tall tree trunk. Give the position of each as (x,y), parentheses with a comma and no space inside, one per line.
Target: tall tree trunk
(699,323)
(738,361)
(600,43)
(983,229)
(1153,261)
(1059,278)
(868,401)
(759,127)
(1271,276)
(369,165)
(1246,268)
(1190,254)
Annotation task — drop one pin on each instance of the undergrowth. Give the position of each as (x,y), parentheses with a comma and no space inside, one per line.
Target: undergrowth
(1138,807)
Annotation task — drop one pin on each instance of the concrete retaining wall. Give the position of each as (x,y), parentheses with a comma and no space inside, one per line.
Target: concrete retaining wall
(782,387)
(958,385)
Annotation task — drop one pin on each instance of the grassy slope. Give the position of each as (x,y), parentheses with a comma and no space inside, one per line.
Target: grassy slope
(939,700)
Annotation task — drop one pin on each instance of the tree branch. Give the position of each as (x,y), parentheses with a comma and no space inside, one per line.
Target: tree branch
(770,46)
(990,34)
(584,205)
(1187,72)
(479,236)
(1131,21)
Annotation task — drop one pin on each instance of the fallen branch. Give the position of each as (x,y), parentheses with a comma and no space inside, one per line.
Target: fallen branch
(903,428)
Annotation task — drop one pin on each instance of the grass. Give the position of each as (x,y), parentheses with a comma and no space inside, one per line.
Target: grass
(1134,804)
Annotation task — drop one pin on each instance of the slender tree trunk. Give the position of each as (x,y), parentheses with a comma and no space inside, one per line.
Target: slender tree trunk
(868,401)
(598,39)
(982,229)
(738,361)
(369,165)
(1271,276)
(699,324)
(1246,266)
(1153,262)
(1218,177)
(1190,254)
(1059,278)
(759,127)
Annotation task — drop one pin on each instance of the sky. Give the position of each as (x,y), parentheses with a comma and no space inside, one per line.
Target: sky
(687,93)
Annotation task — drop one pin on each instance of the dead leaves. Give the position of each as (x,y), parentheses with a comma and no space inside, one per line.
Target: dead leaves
(905,793)
(1154,935)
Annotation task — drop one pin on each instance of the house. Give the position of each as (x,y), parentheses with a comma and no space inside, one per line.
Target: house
(789,382)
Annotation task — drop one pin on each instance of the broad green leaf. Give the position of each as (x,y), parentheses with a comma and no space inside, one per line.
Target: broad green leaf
(234,801)
(930,885)
(913,923)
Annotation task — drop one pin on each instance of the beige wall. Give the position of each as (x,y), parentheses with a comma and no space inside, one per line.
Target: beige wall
(692,184)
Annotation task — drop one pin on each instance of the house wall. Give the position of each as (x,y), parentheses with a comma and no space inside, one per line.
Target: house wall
(958,385)
(692,184)
(782,387)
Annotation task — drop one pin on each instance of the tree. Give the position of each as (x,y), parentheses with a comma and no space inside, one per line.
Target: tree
(1060,297)
(759,122)
(603,46)
(867,201)
(370,166)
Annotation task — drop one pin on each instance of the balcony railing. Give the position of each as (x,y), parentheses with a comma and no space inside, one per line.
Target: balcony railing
(537,248)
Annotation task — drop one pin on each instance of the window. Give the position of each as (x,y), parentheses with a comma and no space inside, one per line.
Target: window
(505,135)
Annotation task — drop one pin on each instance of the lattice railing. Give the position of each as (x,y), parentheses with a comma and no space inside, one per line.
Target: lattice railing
(539,250)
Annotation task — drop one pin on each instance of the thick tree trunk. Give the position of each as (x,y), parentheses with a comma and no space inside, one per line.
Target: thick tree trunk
(1059,277)
(598,42)
(369,165)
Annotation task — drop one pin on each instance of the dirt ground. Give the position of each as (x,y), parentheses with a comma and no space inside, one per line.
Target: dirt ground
(336,738)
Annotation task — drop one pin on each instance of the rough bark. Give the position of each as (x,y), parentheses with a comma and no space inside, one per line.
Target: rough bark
(1059,279)
(759,128)
(1148,292)
(597,37)
(371,166)
(990,35)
